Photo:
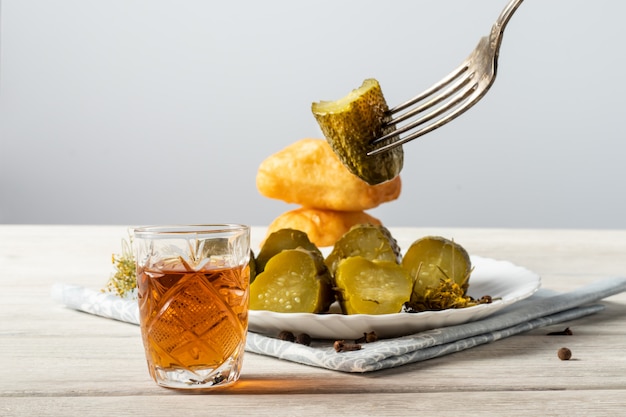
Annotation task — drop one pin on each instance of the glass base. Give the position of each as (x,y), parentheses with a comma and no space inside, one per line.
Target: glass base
(180,378)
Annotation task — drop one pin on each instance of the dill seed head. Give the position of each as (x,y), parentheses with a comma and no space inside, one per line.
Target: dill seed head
(124,280)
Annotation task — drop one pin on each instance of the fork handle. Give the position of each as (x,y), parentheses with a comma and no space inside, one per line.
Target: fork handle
(495,38)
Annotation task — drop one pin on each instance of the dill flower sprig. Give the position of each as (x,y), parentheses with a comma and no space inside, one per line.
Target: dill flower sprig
(124,280)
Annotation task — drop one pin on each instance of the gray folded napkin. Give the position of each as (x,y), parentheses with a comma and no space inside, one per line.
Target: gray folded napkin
(542,309)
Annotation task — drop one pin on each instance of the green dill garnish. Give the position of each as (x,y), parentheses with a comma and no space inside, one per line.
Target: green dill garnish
(124,280)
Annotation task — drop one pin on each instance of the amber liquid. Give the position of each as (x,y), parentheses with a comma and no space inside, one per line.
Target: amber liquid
(193,320)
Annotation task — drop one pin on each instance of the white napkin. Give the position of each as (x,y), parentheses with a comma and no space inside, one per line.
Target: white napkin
(542,309)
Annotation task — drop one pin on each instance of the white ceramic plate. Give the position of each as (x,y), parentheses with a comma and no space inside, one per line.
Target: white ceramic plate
(499,279)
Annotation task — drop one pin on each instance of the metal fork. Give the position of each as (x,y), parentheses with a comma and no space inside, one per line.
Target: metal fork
(454,94)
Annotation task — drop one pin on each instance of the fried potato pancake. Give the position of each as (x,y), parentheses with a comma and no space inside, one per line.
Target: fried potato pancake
(310,174)
(323,227)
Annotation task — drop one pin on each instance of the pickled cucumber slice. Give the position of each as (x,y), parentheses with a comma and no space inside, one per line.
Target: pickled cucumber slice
(252,265)
(280,240)
(367,240)
(294,281)
(371,287)
(440,269)
(351,123)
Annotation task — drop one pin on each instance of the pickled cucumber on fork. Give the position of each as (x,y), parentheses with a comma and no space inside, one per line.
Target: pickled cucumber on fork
(440,269)
(366,286)
(351,123)
(373,242)
(293,281)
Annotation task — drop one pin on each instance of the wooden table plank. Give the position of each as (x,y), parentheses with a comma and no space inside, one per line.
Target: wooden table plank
(57,361)
(574,403)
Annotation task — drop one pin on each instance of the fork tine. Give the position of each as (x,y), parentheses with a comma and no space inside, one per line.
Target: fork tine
(462,102)
(452,88)
(432,89)
(445,94)
(456,94)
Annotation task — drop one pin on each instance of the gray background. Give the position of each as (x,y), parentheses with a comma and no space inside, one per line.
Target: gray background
(154,111)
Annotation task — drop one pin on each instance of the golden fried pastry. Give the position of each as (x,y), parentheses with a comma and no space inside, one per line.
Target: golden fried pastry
(323,227)
(310,174)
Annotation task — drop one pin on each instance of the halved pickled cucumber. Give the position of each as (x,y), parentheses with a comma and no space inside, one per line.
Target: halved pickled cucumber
(280,240)
(294,281)
(351,123)
(252,265)
(371,287)
(367,240)
(440,269)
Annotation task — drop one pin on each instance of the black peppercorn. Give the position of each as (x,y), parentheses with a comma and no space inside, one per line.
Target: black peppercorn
(564,354)
(303,339)
(286,336)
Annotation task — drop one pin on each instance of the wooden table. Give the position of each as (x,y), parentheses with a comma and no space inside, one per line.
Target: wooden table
(59,362)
